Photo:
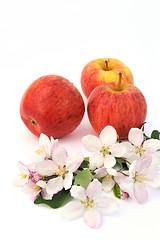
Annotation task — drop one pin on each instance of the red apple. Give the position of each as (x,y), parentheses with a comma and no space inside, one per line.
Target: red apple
(121,105)
(103,70)
(52,105)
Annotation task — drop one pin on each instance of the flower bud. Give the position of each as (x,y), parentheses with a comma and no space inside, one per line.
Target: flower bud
(125,195)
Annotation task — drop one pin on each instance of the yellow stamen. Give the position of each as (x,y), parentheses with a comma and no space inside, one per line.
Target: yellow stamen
(141,178)
(88,204)
(36,188)
(109,177)
(23,176)
(105,150)
(60,170)
(41,150)
(139,150)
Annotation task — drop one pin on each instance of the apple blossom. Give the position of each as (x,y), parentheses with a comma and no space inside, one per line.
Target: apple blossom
(107,181)
(140,174)
(105,148)
(47,147)
(61,168)
(22,178)
(89,204)
(34,189)
(54,170)
(138,147)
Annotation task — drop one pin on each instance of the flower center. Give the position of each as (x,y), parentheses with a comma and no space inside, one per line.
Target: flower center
(139,150)
(104,150)
(23,176)
(88,204)
(141,178)
(109,177)
(41,150)
(36,188)
(60,171)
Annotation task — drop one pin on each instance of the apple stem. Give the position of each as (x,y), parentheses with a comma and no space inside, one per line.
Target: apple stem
(106,62)
(119,82)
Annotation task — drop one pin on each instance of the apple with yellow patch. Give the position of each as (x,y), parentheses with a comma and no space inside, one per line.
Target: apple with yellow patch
(121,105)
(101,71)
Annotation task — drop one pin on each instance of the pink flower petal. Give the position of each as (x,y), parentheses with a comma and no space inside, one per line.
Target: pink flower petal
(100,172)
(34,195)
(78,192)
(125,183)
(109,161)
(94,189)
(132,168)
(54,144)
(18,181)
(153,178)
(41,184)
(151,145)
(91,143)
(45,195)
(23,168)
(107,184)
(140,192)
(136,136)
(93,218)
(95,161)
(143,164)
(106,205)
(59,155)
(45,168)
(118,149)
(44,141)
(68,180)
(54,185)
(72,210)
(108,136)
(28,187)
(31,189)
(129,150)
(140,166)
(112,171)
(74,161)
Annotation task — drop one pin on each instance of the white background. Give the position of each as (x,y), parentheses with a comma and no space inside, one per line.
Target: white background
(60,37)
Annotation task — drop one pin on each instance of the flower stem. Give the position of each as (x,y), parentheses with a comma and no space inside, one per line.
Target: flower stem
(124,174)
(126,160)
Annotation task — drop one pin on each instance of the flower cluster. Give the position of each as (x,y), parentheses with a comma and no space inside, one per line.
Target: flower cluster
(126,168)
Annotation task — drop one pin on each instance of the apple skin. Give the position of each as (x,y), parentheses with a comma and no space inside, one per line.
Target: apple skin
(52,105)
(96,73)
(123,109)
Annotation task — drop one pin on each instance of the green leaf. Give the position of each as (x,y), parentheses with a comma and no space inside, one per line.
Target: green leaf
(155,134)
(58,200)
(120,160)
(84,164)
(117,191)
(122,163)
(124,167)
(83,178)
